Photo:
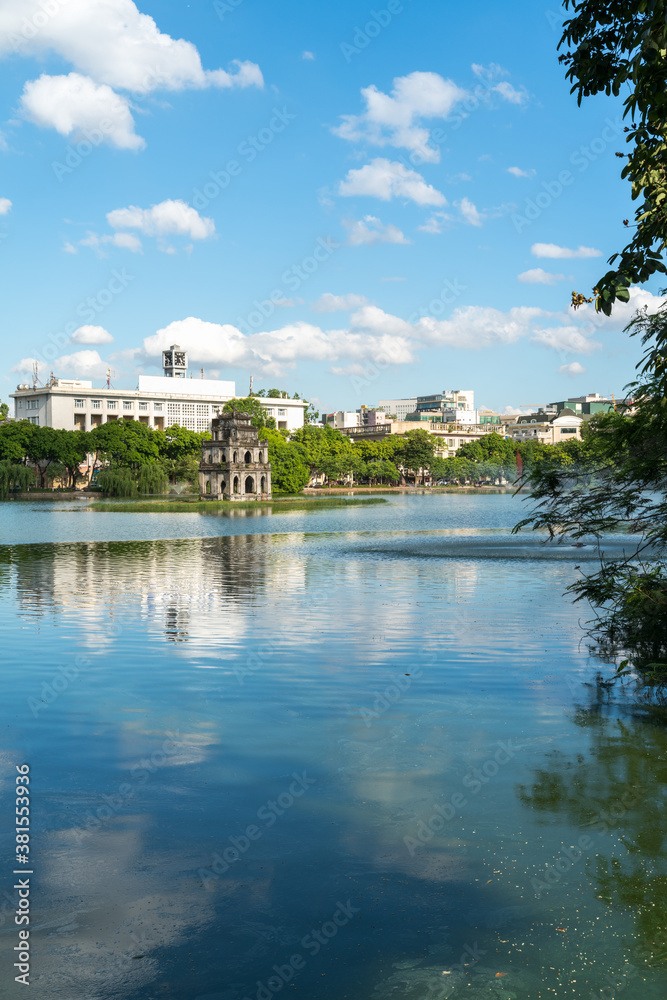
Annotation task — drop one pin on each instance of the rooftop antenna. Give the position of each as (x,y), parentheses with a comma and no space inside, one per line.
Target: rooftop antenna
(202,372)
(108,383)
(251,383)
(35,375)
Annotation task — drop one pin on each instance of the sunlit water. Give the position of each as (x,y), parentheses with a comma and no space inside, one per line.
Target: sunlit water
(348,753)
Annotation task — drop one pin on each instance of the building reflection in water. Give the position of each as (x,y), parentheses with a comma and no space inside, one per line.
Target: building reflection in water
(189,588)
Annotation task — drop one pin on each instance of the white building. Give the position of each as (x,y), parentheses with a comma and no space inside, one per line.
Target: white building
(159,401)
(547,428)
(398,407)
(342,420)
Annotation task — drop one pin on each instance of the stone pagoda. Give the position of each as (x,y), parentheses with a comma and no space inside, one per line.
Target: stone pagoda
(235,463)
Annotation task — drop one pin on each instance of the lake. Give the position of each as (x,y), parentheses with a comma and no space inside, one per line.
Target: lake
(346,753)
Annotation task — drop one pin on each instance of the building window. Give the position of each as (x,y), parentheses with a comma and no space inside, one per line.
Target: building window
(271,412)
(96,404)
(282,412)
(143,406)
(568,430)
(34,420)
(32,404)
(157,407)
(79,404)
(127,404)
(112,404)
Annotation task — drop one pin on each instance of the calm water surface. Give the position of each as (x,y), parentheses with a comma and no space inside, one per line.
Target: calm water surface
(348,753)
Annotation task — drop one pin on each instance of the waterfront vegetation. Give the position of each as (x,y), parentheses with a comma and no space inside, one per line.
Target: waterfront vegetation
(131,459)
(193,505)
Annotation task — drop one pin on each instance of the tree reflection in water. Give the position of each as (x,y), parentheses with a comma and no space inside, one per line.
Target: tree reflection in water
(617,794)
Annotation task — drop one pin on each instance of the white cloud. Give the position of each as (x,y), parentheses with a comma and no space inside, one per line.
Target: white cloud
(510,93)
(572,370)
(91,335)
(70,248)
(111,46)
(277,351)
(555,252)
(308,56)
(386,179)
(81,364)
(370,230)
(469,212)
(518,172)
(166,219)
(538,276)
(329,302)
(566,338)
(125,241)
(23,366)
(370,333)
(112,42)
(623,311)
(75,104)
(489,74)
(436,223)
(476,327)
(5,206)
(395,119)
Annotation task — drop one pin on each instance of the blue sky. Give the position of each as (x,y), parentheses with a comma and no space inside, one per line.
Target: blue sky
(345,200)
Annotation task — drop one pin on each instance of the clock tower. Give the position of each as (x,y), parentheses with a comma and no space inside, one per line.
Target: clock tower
(175,362)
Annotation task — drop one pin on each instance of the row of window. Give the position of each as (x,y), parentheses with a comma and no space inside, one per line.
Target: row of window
(282,412)
(112,404)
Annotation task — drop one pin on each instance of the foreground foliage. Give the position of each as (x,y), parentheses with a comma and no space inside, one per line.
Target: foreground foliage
(623,44)
(620,484)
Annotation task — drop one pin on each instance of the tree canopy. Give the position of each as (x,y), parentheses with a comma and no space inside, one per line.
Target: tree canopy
(608,46)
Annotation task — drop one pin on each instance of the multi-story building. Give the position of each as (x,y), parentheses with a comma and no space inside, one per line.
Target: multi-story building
(370,417)
(341,420)
(398,408)
(159,401)
(438,406)
(450,437)
(547,428)
(584,406)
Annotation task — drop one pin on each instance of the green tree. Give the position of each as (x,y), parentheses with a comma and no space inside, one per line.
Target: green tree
(619,482)
(252,405)
(417,452)
(289,470)
(4,411)
(15,438)
(14,477)
(609,46)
